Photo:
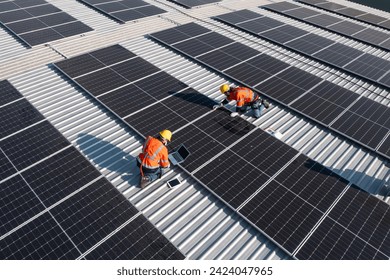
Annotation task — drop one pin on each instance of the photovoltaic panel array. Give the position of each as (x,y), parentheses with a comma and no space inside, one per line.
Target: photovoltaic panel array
(335,24)
(349,59)
(194,3)
(53,203)
(350,12)
(322,101)
(124,10)
(37,22)
(232,158)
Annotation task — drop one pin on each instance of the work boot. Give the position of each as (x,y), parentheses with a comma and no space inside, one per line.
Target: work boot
(144,181)
(266,103)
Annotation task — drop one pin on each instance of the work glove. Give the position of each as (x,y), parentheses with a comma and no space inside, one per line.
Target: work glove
(163,170)
(265,103)
(234,114)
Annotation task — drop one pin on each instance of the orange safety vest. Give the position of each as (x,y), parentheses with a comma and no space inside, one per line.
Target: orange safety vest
(242,95)
(154,154)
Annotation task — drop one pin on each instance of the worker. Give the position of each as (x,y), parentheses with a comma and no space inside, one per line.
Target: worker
(245,97)
(153,160)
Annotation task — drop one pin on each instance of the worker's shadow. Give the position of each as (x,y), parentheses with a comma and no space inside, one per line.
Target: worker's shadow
(192,96)
(108,157)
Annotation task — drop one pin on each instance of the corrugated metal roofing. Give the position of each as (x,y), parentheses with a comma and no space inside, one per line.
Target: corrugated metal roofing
(190,216)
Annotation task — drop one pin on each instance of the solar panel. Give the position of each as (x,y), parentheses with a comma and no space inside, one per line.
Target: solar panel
(42,238)
(122,10)
(39,24)
(139,240)
(330,6)
(385,147)
(309,44)
(283,34)
(194,3)
(8,93)
(16,116)
(91,214)
(33,144)
(359,222)
(18,203)
(338,54)
(260,24)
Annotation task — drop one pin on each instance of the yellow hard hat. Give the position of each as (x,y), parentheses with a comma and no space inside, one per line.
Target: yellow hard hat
(224,88)
(166,134)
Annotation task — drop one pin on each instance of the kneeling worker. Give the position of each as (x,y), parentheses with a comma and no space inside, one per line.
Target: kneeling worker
(153,160)
(245,97)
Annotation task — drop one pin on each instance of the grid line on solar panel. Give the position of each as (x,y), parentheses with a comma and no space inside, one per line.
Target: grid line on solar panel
(6,167)
(137,240)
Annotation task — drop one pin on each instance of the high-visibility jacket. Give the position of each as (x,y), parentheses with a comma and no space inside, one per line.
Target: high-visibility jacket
(242,95)
(154,154)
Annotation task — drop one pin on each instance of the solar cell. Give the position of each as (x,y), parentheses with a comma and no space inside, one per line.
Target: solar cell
(372,36)
(259,25)
(281,214)
(350,12)
(299,78)
(14,16)
(91,214)
(8,6)
(369,66)
(160,85)
(29,3)
(58,18)
(338,54)
(385,79)
(282,6)
(371,18)
(17,203)
(201,146)
(73,28)
(60,175)
(385,44)
(302,13)
(218,59)
(336,94)
(193,47)
(247,74)
(190,104)
(156,118)
(228,176)
(135,69)
(225,129)
(6,167)
(101,81)
(139,240)
(261,150)
(330,6)
(8,93)
(309,44)
(33,144)
(332,241)
(283,34)
(16,116)
(279,89)
(238,16)
(79,65)
(112,54)
(192,29)
(41,36)
(239,51)
(268,64)
(193,3)
(215,40)
(126,100)
(323,20)
(385,147)
(43,10)
(346,27)
(42,238)
(124,10)
(26,25)
(373,111)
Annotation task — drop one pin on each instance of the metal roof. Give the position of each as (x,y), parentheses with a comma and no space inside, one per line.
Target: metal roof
(190,216)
